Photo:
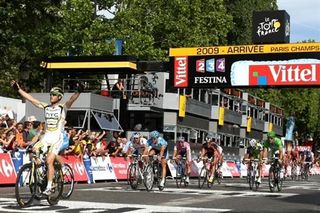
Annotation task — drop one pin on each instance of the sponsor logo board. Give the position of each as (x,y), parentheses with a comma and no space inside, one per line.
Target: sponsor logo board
(181,71)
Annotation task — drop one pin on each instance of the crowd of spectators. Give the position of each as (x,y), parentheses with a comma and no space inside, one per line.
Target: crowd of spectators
(18,135)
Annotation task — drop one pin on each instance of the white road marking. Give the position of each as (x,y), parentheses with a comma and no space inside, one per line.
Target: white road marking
(10,205)
(214,194)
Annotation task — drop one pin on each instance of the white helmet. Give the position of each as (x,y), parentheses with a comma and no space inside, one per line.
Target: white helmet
(253,142)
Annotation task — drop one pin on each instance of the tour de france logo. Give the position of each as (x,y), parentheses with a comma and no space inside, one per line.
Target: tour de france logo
(268,26)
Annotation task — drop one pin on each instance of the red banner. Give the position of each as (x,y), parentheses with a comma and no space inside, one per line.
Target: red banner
(120,167)
(78,168)
(232,167)
(7,171)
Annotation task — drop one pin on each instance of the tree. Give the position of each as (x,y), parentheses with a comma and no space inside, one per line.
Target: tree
(150,28)
(242,11)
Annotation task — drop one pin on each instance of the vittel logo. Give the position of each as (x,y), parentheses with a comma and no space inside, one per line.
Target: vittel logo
(284,74)
(181,71)
(294,73)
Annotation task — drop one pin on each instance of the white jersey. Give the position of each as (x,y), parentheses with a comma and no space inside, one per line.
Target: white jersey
(55,120)
(54,116)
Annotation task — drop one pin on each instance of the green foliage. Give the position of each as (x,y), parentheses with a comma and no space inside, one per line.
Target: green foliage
(242,11)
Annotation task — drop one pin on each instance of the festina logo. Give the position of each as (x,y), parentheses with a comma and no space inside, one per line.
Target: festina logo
(284,74)
(181,71)
(210,80)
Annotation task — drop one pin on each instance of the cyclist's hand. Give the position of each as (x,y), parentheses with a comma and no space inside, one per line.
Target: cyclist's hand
(80,87)
(15,85)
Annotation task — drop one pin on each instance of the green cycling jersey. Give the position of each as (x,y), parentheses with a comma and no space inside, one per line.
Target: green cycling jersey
(277,145)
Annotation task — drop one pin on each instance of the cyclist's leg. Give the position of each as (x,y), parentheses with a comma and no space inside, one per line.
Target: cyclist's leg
(51,156)
(164,163)
(189,163)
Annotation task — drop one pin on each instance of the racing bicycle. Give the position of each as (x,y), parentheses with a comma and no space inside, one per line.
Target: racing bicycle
(275,179)
(32,181)
(181,172)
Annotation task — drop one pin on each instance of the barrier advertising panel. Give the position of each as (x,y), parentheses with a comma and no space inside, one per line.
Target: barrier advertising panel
(102,169)
(120,167)
(7,170)
(286,65)
(80,174)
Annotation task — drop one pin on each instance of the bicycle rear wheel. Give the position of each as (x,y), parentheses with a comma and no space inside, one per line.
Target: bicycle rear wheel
(203,177)
(148,177)
(133,173)
(57,187)
(26,185)
(68,181)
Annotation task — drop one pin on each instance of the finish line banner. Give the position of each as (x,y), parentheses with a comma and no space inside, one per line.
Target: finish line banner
(281,65)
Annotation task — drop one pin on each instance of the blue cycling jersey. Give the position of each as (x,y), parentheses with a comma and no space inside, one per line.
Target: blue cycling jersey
(160,142)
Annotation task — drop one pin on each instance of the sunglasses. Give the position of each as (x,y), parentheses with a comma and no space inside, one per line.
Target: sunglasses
(54,94)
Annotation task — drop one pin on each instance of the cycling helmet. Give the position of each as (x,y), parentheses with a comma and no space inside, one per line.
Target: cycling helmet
(136,135)
(56,91)
(271,134)
(253,142)
(154,134)
(181,138)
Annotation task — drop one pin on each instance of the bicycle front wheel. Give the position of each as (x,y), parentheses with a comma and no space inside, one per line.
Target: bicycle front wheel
(26,185)
(203,177)
(179,175)
(68,181)
(250,178)
(279,180)
(133,174)
(148,177)
(57,187)
(271,179)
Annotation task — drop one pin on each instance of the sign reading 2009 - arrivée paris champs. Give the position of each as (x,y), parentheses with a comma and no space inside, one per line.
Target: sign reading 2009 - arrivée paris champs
(246,66)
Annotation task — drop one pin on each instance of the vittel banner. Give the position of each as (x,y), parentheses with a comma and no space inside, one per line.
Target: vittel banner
(302,72)
(287,65)
(181,71)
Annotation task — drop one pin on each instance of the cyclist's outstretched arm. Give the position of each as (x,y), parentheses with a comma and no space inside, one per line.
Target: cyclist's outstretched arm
(24,94)
(74,97)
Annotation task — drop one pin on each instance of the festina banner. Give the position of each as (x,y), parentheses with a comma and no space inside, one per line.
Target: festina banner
(287,65)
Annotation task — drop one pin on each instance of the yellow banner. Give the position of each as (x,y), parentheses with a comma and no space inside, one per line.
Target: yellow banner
(245,49)
(221,116)
(270,127)
(182,105)
(249,123)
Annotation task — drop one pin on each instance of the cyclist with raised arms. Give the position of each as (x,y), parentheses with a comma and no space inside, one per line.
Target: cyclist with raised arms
(182,149)
(254,151)
(156,145)
(55,114)
(210,148)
